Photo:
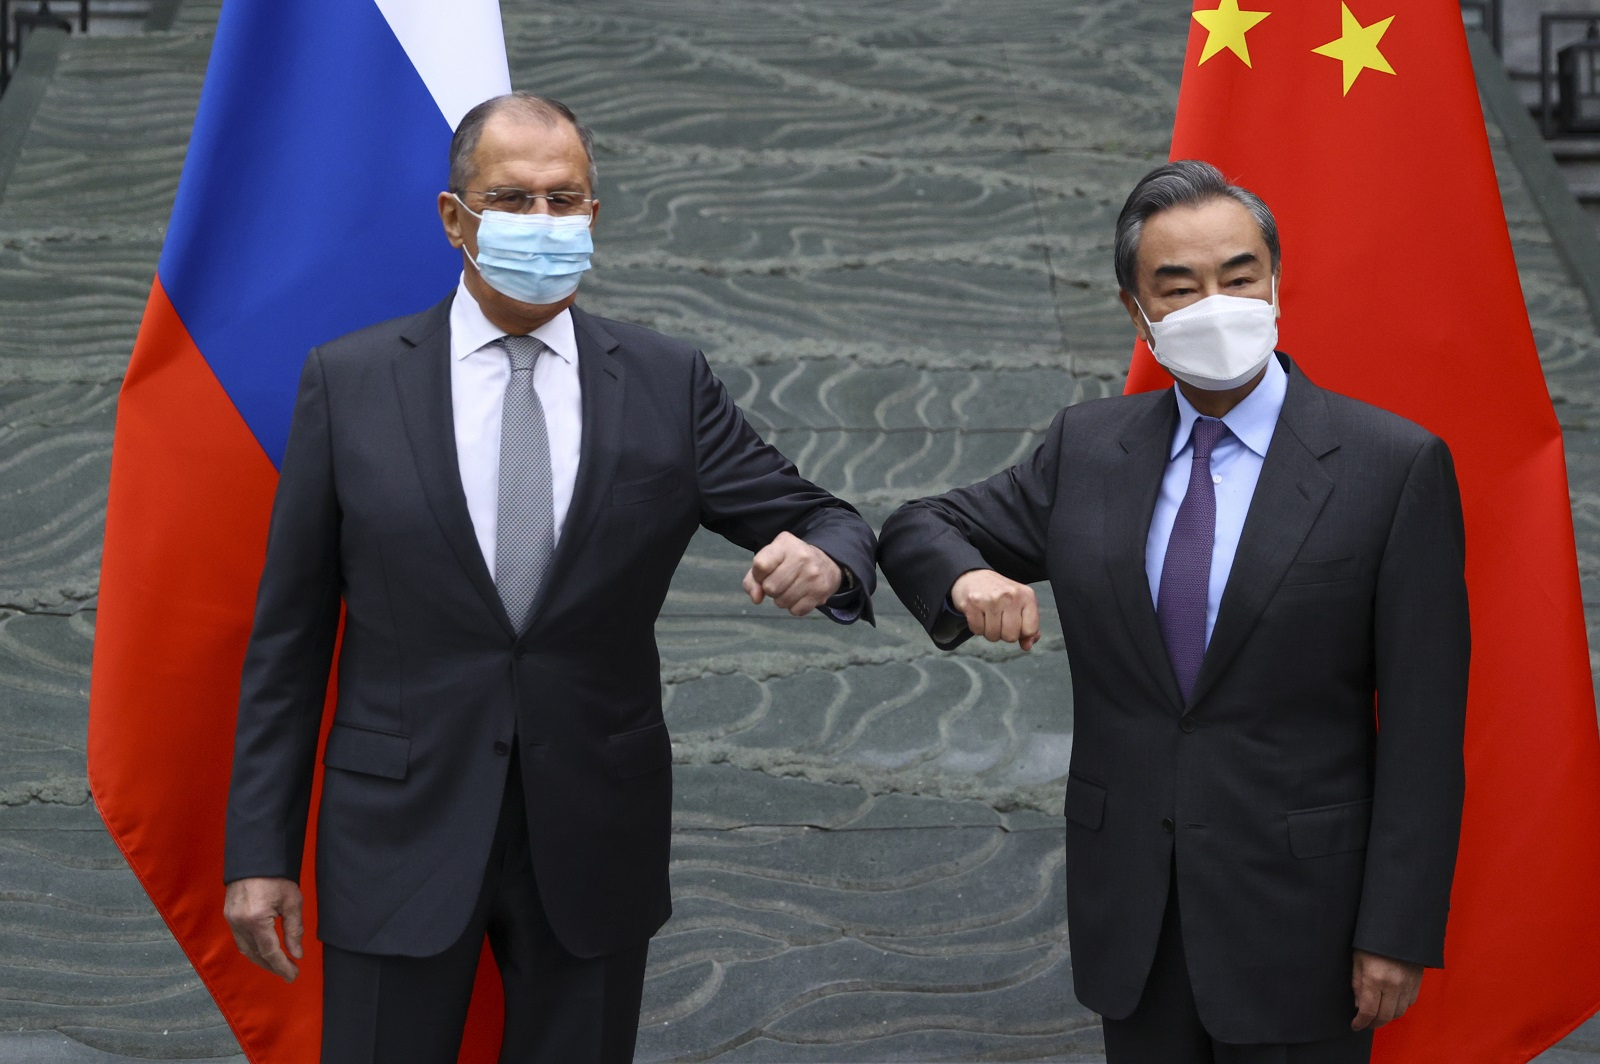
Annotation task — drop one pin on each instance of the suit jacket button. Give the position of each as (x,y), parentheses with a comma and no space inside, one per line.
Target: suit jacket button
(502,748)
(1187,724)
(1167,825)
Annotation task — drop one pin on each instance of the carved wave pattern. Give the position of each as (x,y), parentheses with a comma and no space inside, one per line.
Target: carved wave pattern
(55,456)
(81,949)
(97,152)
(908,929)
(954,727)
(861,201)
(71,307)
(888,226)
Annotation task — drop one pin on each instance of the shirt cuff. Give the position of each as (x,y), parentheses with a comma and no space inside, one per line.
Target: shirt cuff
(845,605)
(949,626)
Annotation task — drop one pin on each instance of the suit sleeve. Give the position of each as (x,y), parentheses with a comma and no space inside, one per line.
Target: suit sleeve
(283,687)
(749,493)
(1422,641)
(1001,523)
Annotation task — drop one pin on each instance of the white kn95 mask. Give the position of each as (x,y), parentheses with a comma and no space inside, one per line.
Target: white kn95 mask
(1217,343)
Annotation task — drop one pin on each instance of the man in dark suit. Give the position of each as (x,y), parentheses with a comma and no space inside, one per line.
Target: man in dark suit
(1248,568)
(499,490)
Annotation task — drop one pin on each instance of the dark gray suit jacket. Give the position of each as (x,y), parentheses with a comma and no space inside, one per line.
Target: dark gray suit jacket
(1299,829)
(433,681)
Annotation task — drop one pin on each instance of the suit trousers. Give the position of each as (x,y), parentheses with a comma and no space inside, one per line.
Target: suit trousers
(1165,1028)
(559,1009)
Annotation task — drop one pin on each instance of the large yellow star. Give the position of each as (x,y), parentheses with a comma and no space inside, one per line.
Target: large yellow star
(1225,28)
(1357,47)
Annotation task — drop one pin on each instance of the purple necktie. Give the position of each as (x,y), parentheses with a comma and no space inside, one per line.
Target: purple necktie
(1186,574)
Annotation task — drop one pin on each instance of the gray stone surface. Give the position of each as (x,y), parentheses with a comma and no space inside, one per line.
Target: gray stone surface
(52,1047)
(888,224)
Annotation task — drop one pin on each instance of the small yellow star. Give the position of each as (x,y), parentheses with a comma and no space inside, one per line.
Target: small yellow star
(1357,47)
(1225,28)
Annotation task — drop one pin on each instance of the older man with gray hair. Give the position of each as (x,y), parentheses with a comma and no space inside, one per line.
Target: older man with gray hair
(498,490)
(1253,573)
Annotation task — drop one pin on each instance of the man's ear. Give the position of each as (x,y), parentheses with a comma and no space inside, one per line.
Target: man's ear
(594,214)
(450,212)
(1140,329)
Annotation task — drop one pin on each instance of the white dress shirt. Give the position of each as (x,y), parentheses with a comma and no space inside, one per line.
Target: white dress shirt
(479,371)
(1235,468)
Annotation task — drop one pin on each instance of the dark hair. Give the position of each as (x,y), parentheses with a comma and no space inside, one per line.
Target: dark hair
(1185,183)
(525,104)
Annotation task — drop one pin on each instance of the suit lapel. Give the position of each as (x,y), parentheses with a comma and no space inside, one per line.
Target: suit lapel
(600,378)
(1130,493)
(422,378)
(1291,492)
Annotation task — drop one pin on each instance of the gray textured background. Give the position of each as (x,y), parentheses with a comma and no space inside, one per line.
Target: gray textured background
(888,224)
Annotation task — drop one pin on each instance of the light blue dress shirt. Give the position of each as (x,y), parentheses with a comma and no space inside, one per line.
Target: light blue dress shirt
(1235,468)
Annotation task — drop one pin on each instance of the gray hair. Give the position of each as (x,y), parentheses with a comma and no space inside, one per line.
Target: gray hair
(525,105)
(1185,183)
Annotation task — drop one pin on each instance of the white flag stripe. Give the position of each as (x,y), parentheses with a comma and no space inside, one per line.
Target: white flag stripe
(457,47)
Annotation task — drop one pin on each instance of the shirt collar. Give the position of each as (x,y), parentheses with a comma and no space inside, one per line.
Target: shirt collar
(471,331)
(1252,421)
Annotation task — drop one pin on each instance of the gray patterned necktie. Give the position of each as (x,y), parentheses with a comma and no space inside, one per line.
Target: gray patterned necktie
(525,522)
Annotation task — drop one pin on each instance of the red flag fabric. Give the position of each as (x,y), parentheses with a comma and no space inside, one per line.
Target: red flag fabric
(1359,124)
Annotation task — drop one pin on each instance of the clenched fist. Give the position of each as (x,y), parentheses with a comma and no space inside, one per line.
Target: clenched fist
(998,609)
(795,575)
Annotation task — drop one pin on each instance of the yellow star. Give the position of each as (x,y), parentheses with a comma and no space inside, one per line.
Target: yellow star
(1225,28)
(1357,48)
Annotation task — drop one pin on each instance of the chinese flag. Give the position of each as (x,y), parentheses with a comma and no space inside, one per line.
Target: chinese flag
(1359,124)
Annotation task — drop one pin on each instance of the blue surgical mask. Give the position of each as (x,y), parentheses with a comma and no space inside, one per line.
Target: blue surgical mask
(532,258)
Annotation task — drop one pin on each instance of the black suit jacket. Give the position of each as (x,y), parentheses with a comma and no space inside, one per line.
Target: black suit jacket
(433,680)
(1299,829)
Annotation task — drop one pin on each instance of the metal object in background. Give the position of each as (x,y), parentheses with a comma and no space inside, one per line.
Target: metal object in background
(16,23)
(1484,15)
(1569,78)
(1578,75)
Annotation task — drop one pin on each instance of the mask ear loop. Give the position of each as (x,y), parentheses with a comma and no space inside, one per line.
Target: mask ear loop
(476,215)
(1148,324)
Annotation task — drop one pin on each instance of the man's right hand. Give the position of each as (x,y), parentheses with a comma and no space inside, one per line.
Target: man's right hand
(252,908)
(998,609)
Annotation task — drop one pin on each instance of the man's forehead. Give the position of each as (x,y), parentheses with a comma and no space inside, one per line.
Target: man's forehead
(523,149)
(512,131)
(1218,233)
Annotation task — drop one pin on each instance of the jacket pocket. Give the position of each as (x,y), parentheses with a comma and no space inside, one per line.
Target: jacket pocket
(362,750)
(651,487)
(1322,572)
(1086,803)
(640,752)
(1330,829)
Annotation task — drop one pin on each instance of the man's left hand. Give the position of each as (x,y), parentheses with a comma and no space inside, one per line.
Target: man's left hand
(1384,989)
(793,574)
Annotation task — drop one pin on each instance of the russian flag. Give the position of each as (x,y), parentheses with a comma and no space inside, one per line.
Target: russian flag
(306,209)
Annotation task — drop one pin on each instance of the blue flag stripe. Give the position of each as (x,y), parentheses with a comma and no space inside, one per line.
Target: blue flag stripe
(307,203)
